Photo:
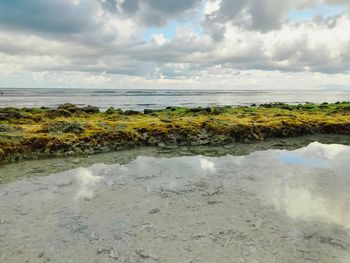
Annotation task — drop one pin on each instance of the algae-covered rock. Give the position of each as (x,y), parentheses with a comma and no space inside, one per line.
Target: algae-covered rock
(91,109)
(55,113)
(88,131)
(65,127)
(10,113)
(9,128)
(112,110)
(132,112)
(200,110)
(68,107)
(149,111)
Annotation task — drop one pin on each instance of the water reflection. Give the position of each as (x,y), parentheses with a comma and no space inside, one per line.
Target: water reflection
(207,166)
(325,151)
(301,203)
(297,159)
(269,206)
(317,188)
(87,184)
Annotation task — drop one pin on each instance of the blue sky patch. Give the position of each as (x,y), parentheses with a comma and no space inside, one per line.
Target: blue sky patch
(297,159)
(318,10)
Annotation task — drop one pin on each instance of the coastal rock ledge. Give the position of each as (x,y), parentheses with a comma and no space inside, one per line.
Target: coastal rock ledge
(37,133)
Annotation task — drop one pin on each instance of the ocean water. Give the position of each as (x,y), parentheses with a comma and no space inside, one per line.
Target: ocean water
(148,206)
(156,99)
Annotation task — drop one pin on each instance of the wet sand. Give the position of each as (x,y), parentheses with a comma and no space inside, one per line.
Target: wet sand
(181,206)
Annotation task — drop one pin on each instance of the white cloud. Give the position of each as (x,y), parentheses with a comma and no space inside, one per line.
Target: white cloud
(237,44)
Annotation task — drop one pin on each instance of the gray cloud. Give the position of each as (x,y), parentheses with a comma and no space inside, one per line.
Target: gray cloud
(261,15)
(62,16)
(98,36)
(151,12)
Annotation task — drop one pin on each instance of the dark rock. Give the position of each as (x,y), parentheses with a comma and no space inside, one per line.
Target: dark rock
(7,114)
(110,110)
(68,106)
(218,110)
(146,255)
(132,112)
(90,109)
(154,211)
(171,108)
(200,110)
(148,111)
(66,127)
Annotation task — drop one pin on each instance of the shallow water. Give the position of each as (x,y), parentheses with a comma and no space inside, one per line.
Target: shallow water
(156,99)
(148,206)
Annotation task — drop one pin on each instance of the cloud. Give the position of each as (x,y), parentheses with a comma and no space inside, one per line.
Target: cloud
(151,12)
(262,15)
(104,41)
(64,16)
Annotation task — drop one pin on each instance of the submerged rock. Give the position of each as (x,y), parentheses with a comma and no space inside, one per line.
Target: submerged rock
(154,211)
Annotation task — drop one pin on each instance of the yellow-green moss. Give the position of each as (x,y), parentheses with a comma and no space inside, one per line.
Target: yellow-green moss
(28,133)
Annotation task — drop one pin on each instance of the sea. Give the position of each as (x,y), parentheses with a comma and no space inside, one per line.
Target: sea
(160,98)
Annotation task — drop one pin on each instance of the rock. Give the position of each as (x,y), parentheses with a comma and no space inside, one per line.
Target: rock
(145,255)
(117,236)
(8,128)
(76,160)
(161,144)
(213,202)
(198,236)
(154,211)
(216,191)
(38,170)
(132,112)
(200,110)
(113,254)
(7,114)
(53,113)
(41,254)
(93,237)
(104,250)
(110,110)
(148,111)
(68,106)
(66,127)
(90,109)
(333,242)
(64,184)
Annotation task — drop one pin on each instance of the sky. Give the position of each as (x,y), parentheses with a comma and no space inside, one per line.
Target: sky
(180,44)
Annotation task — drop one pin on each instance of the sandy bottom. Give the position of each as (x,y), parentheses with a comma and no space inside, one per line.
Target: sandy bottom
(267,206)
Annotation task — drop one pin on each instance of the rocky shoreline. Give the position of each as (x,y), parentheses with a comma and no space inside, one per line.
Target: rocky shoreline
(38,133)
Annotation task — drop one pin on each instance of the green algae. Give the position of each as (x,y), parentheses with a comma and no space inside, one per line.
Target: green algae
(69,130)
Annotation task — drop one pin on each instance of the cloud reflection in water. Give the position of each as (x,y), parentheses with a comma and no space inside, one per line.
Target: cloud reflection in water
(87,184)
(315,189)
